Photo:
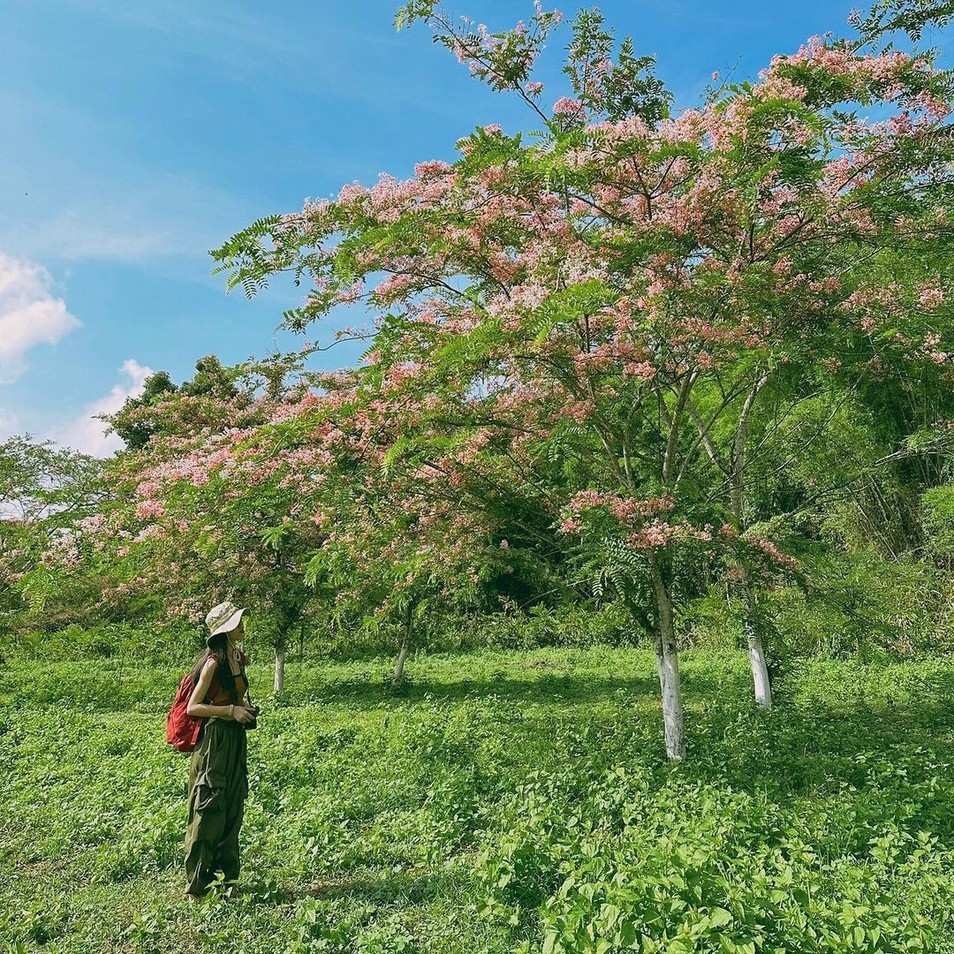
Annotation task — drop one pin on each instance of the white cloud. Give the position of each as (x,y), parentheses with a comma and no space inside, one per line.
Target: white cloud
(94,231)
(29,314)
(115,217)
(87,434)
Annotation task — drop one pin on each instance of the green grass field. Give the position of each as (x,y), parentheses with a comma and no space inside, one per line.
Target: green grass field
(504,801)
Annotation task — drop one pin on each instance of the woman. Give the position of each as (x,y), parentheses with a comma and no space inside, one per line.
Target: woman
(218,777)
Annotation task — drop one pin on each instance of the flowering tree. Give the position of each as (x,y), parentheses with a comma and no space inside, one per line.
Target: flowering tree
(247,484)
(201,510)
(44,490)
(620,292)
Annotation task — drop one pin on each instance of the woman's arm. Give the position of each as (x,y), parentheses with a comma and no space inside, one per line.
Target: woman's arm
(199,710)
(196,707)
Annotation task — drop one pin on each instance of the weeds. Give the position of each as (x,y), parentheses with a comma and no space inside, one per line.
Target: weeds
(503,801)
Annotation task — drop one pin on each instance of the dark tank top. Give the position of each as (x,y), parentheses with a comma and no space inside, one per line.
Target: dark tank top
(220,696)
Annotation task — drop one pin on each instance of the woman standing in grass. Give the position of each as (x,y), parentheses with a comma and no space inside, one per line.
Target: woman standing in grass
(218,777)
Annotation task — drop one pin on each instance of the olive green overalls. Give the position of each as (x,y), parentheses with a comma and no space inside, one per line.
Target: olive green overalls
(218,784)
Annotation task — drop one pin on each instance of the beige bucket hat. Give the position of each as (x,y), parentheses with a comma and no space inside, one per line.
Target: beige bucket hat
(223,618)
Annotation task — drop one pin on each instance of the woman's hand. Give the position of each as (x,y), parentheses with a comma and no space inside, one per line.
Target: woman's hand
(242,714)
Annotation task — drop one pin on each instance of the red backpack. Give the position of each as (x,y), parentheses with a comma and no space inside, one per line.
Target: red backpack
(182,730)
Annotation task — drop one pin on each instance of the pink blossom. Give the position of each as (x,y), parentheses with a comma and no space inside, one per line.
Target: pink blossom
(95,523)
(148,509)
(772,551)
(652,536)
(152,532)
(432,167)
(392,287)
(626,509)
(147,488)
(930,297)
(580,411)
(587,498)
(640,369)
(567,106)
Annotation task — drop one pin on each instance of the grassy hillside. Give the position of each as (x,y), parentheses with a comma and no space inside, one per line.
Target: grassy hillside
(505,801)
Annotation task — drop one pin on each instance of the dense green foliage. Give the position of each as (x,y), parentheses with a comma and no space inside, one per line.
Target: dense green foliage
(503,801)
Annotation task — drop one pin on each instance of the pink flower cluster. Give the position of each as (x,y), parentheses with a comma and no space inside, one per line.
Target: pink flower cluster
(654,536)
(771,550)
(841,61)
(930,297)
(565,106)
(150,509)
(432,167)
(629,510)
(93,524)
(393,287)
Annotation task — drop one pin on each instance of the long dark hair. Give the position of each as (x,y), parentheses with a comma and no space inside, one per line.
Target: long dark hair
(218,649)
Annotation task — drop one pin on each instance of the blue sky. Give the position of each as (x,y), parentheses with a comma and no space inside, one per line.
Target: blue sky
(134,136)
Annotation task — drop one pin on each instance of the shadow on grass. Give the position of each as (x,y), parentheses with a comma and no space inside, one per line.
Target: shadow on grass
(539,681)
(896,758)
(543,690)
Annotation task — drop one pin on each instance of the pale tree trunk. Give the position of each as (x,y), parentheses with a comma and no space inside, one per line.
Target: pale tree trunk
(667,664)
(760,676)
(399,663)
(279,682)
(405,647)
(667,655)
(734,469)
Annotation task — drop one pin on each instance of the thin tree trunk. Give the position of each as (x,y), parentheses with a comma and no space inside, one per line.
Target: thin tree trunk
(405,647)
(279,682)
(399,664)
(667,664)
(760,676)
